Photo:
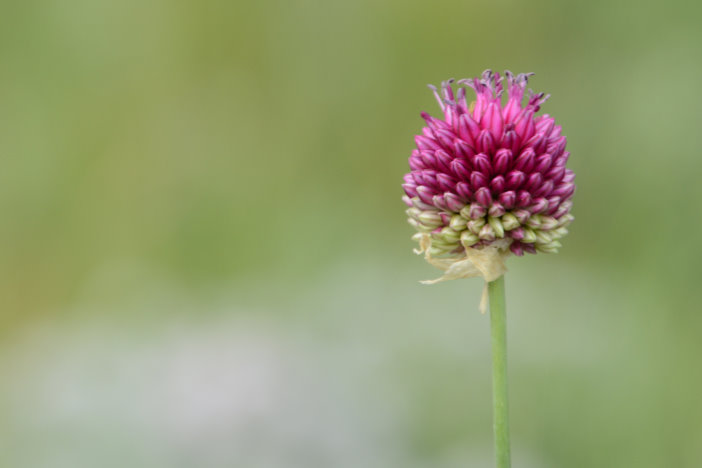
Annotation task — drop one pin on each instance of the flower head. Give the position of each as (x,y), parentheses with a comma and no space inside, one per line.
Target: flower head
(490,173)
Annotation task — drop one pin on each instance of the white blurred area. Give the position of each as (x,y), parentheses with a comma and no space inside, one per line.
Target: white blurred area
(224,393)
(365,369)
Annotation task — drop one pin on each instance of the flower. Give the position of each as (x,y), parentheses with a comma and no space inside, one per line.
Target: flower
(489,174)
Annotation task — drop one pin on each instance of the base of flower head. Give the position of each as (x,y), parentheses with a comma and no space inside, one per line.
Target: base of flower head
(518,230)
(487,262)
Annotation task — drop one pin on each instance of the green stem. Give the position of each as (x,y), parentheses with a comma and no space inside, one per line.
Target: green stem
(498,326)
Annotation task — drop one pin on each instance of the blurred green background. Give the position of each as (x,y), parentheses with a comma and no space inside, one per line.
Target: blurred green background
(204,259)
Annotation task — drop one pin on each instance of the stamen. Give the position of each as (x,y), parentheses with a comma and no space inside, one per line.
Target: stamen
(536,100)
(436,95)
(448,90)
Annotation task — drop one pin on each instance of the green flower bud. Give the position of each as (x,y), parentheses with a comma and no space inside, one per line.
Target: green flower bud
(496,226)
(529,236)
(450,235)
(468,238)
(436,251)
(548,223)
(419,226)
(551,247)
(534,221)
(487,233)
(558,233)
(565,220)
(509,221)
(542,237)
(458,222)
(475,225)
(430,218)
(441,243)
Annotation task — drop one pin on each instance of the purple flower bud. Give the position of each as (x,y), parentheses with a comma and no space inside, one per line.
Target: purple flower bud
(553,203)
(540,205)
(492,121)
(516,248)
(483,196)
(537,142)
(453,202)
(428,158)
(425,194)
(477,180)
(497,184)
(508,199)
(443,160)
(562,210)
(511,141)
(460,168)
(543,163)
(530,248)
(542,190)
(496,210)
(415,162)
(545,124)
(485,143)
(564,191)
(482,163)
(556,147)
(522,215)
(446,183)
(463,190)
(439,202)
(517,234)
(463,149)
(503,160)
(561,160)
(426,177)
(523,198)
(424,143)
(445,137)
(569,176)
(555,133)
(533,181)
(468,130)
(525,161)
(514,180)
(477,211)
(556,173)
(524,126)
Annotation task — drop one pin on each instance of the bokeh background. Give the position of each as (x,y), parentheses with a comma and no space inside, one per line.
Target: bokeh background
(204,259)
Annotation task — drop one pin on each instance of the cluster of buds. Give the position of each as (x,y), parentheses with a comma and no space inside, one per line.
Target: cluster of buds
(490,174)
